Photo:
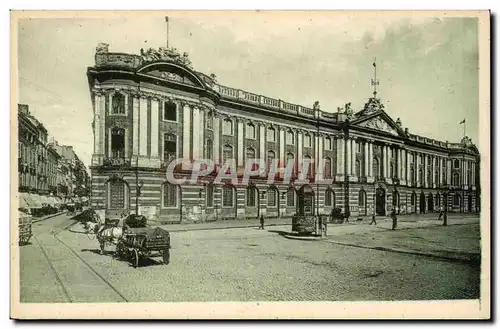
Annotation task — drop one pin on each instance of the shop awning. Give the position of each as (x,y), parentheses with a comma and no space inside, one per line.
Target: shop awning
(33,200)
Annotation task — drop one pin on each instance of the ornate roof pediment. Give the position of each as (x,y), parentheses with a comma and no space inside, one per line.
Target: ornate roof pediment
(380,123)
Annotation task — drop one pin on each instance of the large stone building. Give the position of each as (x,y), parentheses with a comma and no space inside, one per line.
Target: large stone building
(152,108)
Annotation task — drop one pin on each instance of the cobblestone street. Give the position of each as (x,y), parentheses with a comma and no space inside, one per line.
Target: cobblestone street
(247,264)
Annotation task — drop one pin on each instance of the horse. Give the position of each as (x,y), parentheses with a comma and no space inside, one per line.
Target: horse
(105,234)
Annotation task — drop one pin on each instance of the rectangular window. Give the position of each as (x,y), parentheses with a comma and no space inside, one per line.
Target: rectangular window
(307,141)
(290,198)
(290,138)
(210,122)
(227,127)
(209,196)
(169,147)
(328,144)
(250,131)
(227,197)
(169,111)
(118,104)
(271,198)
(271,135)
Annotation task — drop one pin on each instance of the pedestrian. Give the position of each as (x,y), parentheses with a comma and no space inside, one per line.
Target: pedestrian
(261,222)
(373,219)
(347,215)
(440,212)
(394,219)
(332,216)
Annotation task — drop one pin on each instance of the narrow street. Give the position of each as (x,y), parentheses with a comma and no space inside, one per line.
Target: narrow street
(247,264)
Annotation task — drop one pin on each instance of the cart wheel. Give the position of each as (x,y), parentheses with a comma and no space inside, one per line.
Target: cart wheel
(135,259)
(166,256)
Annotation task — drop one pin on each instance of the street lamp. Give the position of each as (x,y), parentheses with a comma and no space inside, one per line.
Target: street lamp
(445,215)
(137,194)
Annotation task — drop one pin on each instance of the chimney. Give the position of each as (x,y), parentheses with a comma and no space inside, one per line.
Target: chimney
(23,109)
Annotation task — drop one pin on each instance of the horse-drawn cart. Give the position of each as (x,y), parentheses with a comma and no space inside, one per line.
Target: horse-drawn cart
(139,241)
(144,242)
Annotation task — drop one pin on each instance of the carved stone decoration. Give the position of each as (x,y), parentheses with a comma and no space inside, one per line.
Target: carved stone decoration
(316,106)
(373,105)
(102,48)
(379,124)
(398,122)
(466,141)
(165,54)
(171,76)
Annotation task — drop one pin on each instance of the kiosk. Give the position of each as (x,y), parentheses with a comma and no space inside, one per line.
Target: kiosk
(304,222)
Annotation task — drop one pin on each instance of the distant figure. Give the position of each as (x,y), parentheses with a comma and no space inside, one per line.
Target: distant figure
(373,220)
(347,215)
(325,227)
(440,212)
(394,219)
(332,215)
(261,222)
(320,225)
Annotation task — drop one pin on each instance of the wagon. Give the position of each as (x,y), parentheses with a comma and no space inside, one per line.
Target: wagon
(139,241)
(144,242)
(25,222)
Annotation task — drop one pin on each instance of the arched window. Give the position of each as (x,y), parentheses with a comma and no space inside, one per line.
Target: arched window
(169,147)
(329,198)
(290,197)
(118,143)
(412,176)
(169,111)
(118,107)
(328,144)
(436,177)
(271,134)
(413,199)
(429,178)
(307,140)
(251,196)
(272,197)
(420,176)
(327,167)
(290,138)
(228,196)
(289,158)
(456,200)
(210,122)
(250,153)
(361,198)
(209,149)
(358,168)
(170,195)
(250,131)
(227,127)
(227,153)
(307,159)
(376,167)
(209,195)
(271,155)
(391,170)
(456,179)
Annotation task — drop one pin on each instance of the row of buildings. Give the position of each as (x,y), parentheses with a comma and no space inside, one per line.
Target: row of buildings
(44,166)
(152,108)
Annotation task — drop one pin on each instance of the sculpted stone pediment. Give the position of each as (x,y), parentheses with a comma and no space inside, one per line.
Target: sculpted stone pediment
(175,77)
(379,123)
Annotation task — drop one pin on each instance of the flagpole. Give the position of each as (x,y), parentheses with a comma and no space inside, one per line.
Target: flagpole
(168,29)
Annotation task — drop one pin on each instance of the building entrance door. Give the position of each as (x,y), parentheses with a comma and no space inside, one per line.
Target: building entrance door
(469,203)
(380,201)
(117,194)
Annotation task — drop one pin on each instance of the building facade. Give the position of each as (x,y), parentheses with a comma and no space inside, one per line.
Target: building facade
(152,108)
(44,167)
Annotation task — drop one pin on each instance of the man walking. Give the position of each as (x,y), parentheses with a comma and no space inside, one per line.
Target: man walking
(440,212)
(394,219)
(261,222)
(347,215)
(373,219)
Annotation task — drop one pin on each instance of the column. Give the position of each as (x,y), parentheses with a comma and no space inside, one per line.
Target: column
(262,141)
(282,145)
(370,159)
(102,121)
(353,156)
(408,170)
(186,132)
(201,125)
(448,171)
(384,161)
(240,138)
(319,156)
(299,147)
(216,139)
(143,126)
(154,127)
(473,174)
(97,123)
(366,157)
(135,126)
(399,166)
(340,154)
(349,156)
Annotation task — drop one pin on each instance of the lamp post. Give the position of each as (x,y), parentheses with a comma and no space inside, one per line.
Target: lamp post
(139,186)
(345,128)
(445,215)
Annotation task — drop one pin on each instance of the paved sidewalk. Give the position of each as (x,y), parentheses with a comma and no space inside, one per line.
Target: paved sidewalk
(37,219)
(224,224)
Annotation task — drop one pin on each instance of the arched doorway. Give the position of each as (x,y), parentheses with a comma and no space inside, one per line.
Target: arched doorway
(430,203)
(422,203)
(469,203)
(395,200)
(380,201)
(362,203)
(118,194)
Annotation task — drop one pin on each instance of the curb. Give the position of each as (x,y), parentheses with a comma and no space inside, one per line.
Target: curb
(222,228)
(47,217)
(472,260)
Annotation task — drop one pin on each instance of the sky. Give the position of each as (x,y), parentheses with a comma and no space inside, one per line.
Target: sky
(427,66)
